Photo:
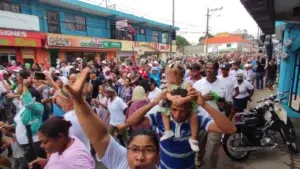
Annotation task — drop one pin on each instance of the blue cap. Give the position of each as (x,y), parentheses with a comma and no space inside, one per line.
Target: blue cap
(225,66)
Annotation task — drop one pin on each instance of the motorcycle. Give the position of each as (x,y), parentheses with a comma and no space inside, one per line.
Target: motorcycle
(257,129)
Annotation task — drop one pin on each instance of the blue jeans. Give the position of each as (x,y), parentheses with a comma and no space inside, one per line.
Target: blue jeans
(259,80)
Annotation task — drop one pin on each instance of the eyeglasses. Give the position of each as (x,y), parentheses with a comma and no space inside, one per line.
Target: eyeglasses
(146,151)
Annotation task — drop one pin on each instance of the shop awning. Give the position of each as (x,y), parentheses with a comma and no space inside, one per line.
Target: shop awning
(262,11)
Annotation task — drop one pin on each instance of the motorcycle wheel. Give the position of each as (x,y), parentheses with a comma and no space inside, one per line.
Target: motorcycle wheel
(289,135)
(227,146)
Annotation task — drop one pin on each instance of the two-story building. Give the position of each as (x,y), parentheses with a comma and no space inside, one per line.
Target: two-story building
(47,30)
(228,43)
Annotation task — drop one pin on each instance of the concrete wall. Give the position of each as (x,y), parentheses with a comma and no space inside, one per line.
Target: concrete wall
(192,50)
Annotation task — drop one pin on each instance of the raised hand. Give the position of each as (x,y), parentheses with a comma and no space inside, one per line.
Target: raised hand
(76,90)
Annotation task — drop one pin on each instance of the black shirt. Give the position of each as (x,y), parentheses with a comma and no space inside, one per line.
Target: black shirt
(261,66)
(272,70)
(96,83)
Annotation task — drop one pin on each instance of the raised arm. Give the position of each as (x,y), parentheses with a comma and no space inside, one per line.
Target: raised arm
(87,118)
(139,116)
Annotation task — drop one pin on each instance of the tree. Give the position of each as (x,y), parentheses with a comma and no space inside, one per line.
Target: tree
(181,41)
(203,37)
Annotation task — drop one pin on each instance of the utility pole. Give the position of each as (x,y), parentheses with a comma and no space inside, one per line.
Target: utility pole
(208,15)
(172,27)
(106,3)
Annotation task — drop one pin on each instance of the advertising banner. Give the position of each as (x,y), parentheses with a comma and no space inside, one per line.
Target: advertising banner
(54,40)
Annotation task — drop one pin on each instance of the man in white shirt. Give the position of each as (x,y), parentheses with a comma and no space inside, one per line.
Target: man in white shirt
(64,101)
(154,90)
(195,74)
(116,107)
(235,70)
(227,81)
(211,89)
(249,74)
(154,93)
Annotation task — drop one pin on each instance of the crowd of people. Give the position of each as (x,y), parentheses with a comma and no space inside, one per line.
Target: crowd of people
(145,114)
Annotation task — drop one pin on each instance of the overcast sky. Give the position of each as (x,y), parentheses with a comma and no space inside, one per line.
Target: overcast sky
(190,14)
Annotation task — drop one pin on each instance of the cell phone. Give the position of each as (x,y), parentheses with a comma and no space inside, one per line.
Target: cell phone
(39,76)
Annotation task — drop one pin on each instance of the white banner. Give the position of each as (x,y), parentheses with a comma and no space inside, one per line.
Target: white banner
(19,21)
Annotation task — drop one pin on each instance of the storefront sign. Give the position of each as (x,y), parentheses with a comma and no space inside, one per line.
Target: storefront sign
(4,32)
(20,38)
(59,41)
(78,42)
(26,42)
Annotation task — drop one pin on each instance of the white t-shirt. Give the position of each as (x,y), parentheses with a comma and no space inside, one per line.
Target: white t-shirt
(249,75)
(154,93)
(20,129)
(115,156)
(151,96)
(116,109)
(228,83)
(64,79)
(243,89)
(65,71)
(204,87)
(233,72)
(189,80)
(76,130)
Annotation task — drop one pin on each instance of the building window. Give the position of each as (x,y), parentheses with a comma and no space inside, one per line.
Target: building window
(154,36)
(7,6)
(53,22)
(75,22)
(165,37)
(228,45)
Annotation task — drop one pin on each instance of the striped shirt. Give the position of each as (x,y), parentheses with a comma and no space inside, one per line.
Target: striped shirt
(176,153)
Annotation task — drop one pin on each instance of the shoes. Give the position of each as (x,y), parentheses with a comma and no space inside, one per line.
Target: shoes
(167,135)
(194,145)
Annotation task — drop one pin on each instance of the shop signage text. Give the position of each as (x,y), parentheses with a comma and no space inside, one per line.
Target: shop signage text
(27,42)
(59,41)
(97,43)
(72,41)
(4,32)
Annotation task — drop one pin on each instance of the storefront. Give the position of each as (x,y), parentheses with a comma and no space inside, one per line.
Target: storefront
(20,46)
(68,48)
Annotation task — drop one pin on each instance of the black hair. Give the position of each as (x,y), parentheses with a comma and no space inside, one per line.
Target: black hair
(179,92)
(54,126)
(152,81)
(24,74)
(127,78)
(145,132)
(215,63)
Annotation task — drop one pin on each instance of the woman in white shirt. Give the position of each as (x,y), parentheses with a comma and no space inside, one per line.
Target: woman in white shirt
(243,92)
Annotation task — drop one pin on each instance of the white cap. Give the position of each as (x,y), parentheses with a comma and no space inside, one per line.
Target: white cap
(56,71)
(248,65)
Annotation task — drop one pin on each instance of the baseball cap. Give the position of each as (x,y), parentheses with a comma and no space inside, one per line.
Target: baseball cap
(225,66)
